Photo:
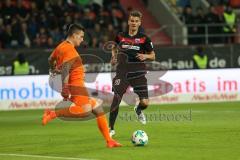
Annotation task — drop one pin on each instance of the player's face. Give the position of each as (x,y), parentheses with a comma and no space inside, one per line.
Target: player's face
(78,38)
(134,23)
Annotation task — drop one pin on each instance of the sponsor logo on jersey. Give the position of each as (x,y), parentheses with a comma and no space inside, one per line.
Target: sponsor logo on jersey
(137,40)
(126,46)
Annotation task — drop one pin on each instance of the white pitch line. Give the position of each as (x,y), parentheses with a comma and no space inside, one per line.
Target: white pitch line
(39,156)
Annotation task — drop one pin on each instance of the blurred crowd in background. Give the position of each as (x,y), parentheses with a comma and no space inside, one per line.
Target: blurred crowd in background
(43,23)
(219,20)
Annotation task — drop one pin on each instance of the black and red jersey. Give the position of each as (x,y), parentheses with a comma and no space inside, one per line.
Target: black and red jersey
(128,48)
(132,45)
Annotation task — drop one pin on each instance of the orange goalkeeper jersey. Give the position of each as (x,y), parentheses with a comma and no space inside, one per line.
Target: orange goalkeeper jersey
(64,53)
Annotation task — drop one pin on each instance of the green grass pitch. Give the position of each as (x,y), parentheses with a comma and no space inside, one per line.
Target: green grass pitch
(184,131)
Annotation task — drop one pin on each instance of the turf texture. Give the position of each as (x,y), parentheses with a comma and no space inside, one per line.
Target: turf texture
(183,131)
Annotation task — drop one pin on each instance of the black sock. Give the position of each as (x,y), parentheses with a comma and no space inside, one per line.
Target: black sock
(140,108)
(114,111)
(112,118)
(138,111)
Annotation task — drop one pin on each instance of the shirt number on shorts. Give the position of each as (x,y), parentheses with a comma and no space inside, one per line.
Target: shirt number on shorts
(117,82)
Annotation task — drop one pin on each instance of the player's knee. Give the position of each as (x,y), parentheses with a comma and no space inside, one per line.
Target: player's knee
(144,103)
(98,111)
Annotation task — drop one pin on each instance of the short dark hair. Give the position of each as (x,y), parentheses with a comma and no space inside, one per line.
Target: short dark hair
(135,13)
(73,28)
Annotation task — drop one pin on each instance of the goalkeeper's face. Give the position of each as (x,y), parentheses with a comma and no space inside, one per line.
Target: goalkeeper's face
(134,23)
(78,38)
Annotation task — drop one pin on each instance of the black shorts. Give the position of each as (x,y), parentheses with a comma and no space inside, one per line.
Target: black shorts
(139,84)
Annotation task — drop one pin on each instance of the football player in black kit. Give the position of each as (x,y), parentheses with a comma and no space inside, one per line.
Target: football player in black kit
(132,49)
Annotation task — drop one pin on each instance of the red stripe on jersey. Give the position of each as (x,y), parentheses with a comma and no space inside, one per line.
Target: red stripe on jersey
(132,41)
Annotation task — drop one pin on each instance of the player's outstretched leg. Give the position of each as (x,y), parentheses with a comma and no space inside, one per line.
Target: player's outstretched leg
(66,109)
(113,113)
(49,115)
(138,109)
(103,126)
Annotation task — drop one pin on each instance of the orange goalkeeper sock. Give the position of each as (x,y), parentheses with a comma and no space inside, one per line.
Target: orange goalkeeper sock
(63,112)
(103,127)
(73,111)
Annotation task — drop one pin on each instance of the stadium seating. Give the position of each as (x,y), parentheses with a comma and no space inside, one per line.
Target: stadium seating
(149,22)
(42,24)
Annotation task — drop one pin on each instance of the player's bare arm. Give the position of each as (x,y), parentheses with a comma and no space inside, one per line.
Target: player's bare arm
(114,55)
(65,79)
(149,56)
(52,63)
(52,66)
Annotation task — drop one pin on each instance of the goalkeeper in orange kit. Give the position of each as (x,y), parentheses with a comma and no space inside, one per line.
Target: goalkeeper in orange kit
(66,60)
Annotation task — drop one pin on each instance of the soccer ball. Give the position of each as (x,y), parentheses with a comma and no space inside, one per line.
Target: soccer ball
(139,138)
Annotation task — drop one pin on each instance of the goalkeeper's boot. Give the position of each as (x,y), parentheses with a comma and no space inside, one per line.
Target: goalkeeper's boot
(48,116)
(113,143)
